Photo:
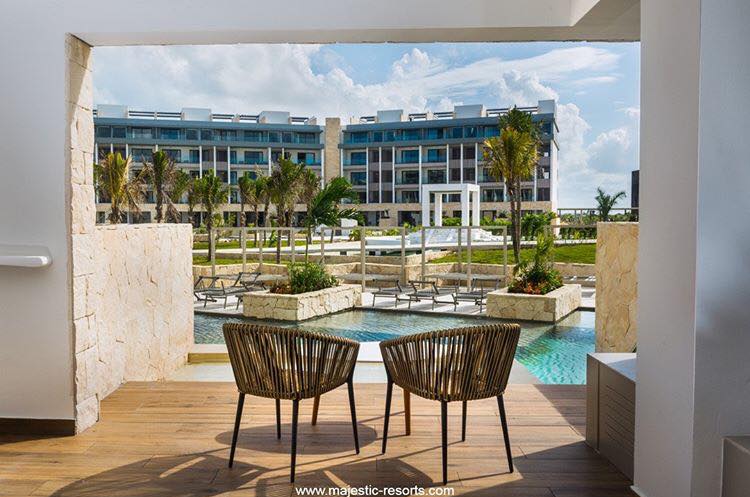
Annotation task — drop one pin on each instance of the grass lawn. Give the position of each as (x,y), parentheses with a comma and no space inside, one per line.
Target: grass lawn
(583,254)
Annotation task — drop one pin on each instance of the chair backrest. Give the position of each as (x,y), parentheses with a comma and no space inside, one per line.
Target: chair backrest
(205,282)
(287,363)
(458,364)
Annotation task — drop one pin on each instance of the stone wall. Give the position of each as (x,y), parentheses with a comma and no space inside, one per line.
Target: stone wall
(616,287)
(137,322)
(549,308)
(300,307)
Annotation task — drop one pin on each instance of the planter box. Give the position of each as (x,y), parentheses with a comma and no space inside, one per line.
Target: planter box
(548,308)
(263,305)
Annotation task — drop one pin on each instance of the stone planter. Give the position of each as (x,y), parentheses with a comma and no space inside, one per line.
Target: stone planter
(548,308)
(263,305)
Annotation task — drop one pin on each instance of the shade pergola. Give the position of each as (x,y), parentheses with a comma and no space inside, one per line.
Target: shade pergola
(469,192)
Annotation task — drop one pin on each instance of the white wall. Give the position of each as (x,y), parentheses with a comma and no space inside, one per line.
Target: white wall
(694,376)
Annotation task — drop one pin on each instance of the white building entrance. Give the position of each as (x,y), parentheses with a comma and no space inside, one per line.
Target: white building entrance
(469,202)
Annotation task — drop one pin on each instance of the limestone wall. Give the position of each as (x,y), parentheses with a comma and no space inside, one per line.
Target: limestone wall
(134,309)
(616,287)
(300,307)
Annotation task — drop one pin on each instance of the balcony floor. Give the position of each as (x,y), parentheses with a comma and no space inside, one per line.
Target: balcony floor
(172,439)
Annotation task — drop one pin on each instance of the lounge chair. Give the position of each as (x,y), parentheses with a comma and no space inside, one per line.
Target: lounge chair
(427,290)
(235,289)
(388,292)
(283,363)
(452,365)
(477,293)
(204,284)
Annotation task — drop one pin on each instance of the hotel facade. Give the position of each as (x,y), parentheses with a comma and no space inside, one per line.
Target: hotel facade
(387,157)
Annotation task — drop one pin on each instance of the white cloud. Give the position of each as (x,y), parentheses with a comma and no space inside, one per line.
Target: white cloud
(251,78)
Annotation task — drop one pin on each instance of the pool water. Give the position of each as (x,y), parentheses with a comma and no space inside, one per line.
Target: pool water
(553,353)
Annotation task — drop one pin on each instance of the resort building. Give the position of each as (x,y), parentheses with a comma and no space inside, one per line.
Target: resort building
(387,157)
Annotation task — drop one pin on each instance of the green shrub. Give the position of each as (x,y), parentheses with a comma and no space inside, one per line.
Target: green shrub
(451,221)
(307,277)
(538,275)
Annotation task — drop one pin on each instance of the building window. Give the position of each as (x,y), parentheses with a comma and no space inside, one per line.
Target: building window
(119,132)
(457,132)
(434,133)
(409,178)
(470,132)
(377,136)
(358,137)
(362,196)
(191,134)
(142,133)
(527,194)
(387,197)
(456,174)
(390,136)
(410,197)
(436,155)
(103,132)
(254,157)
(455,153)
(307,137)
(409,157)
(492,195)
(469,153)
(305,158)
(374,156)
(388,155)
(173,153)
(273,137)
(358,178)
(142,154)
(490,131)
(358,159)
(435,177)
(387,176)
(169,134)
(542,194)
(412,134)
(226,135)
(194,156)
(286,137)
(207,135)
(253,136)
(469,174)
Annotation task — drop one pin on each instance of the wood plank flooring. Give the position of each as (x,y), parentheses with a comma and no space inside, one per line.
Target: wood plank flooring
(172,439)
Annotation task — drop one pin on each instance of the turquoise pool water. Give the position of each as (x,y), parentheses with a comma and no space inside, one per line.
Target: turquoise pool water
(553,353)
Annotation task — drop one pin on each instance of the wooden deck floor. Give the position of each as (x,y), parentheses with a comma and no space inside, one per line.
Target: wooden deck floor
(172,439)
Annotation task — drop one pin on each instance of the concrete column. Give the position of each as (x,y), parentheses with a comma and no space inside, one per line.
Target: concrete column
(476,163)
(464,206)
(322,168)
(200,161)
(393,166)
(420,172)
(425,199)
(462,163)
(269,161)
(214,160)
(533,194)
(127,150)
(333,155)
(229,174)
(475,208)
(367,175)
(380,175)
(111,148)
(438,209)
(447,163)
(693,343)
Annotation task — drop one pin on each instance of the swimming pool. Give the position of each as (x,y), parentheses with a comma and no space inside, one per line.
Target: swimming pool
(553,353)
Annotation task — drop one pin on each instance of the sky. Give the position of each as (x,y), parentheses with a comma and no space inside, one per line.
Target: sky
(596,86)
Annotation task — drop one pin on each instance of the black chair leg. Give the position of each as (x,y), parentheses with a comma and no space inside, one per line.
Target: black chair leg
(388,395)
(463,421)
(237,419)
(504,422)
(444,422)
(278,419)
(353,410)
(295,416)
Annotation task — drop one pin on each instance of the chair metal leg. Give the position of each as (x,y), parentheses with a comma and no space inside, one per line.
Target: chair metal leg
(353,409)
(295,416)
(237,419)
(444,422)
(463,421)
(278,419)
(407,412)
(316,406)
(504,422)
(388,395)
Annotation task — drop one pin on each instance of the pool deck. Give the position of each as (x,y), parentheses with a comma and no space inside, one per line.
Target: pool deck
(171,439)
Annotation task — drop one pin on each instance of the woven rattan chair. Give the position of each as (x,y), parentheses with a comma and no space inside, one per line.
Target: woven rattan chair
(285,363)
(452,365)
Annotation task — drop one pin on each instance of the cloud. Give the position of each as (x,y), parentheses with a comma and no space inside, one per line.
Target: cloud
(312,80)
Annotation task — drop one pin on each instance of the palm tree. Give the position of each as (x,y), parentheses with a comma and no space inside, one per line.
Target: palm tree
(285,186)
(182,184)
(192,197)
(310,186)
(246,190)
(606,202)
(112,178)
(161,172)
(212,194)
(323,208)
(512,156)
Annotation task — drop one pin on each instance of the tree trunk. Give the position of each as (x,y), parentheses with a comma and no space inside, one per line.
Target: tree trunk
(243,217)
(517,235)
(159,205)
(255,221)
(209,228)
